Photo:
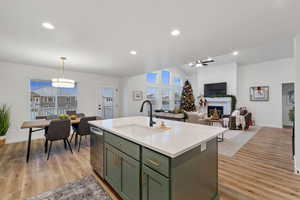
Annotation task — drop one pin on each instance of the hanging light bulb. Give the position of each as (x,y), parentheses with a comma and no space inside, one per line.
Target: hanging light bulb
(63,82)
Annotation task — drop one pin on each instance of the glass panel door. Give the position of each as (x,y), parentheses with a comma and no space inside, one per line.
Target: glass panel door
(108,103)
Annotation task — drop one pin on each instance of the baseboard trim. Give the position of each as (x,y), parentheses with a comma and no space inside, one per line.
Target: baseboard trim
(269,125)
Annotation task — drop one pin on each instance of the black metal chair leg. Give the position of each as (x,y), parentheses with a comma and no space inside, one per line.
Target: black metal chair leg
(65,144)
(46,146)
(79,143)
(72,136)
(76,139)
(69,145)
(49,150)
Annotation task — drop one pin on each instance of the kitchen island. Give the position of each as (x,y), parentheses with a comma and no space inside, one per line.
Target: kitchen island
(176,162)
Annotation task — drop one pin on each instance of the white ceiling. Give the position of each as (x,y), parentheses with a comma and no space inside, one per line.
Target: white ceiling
(275,51)
(97,35)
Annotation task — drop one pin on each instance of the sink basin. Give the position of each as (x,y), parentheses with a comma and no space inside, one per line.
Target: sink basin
(134,128)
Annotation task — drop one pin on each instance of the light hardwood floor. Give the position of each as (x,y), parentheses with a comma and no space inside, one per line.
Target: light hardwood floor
(262,169)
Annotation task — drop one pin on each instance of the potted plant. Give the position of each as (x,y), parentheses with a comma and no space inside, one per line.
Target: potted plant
(4,122)
(292,114)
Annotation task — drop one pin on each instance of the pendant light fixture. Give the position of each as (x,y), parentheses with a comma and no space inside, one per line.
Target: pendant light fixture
(63,82)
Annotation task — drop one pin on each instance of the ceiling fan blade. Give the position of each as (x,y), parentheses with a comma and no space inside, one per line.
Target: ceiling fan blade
(207,61)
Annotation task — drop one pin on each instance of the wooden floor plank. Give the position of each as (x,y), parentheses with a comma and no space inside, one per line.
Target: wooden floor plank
(262,169)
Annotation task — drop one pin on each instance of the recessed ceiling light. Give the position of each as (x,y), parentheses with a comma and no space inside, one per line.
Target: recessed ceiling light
(48,25)
(235,53)
(175,33)
(209,59)
(133,52)
(199,65)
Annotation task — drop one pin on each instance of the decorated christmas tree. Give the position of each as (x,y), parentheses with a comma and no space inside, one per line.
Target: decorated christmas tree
(187,98)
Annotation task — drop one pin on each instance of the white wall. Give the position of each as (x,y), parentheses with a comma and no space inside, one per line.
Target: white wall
(14,87)
(297,104)
(215,74)
(240,78)
(272,74)
(132,83)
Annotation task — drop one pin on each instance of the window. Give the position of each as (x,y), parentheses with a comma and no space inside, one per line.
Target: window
(165,94)
(177,81)
(151,77)
(177,98)
(151,94)
(165,77)
(47,100)
(163,89)
(177,92)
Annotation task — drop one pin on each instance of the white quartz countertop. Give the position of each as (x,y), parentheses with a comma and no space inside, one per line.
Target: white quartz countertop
(180,138)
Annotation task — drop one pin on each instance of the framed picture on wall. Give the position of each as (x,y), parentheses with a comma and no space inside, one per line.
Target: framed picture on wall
(259,93)
(137,95)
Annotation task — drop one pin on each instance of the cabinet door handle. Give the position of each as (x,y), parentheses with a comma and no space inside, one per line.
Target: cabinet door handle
(153,163)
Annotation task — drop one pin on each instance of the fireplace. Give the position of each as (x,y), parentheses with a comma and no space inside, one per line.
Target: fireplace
(210,110)
(221,103)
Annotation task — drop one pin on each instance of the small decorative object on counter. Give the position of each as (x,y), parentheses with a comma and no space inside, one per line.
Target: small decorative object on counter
(163,126)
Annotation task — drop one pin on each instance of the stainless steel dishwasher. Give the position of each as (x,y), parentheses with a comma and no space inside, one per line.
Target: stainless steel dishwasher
(97,148)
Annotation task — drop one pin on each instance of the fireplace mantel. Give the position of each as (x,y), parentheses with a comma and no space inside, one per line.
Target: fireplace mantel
(220,101)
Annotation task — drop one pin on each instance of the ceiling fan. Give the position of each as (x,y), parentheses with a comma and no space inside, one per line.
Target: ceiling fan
(201,63)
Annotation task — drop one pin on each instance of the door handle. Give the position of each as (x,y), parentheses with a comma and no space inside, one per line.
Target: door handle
(157,164)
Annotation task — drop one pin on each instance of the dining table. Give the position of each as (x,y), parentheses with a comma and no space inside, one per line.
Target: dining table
(39,125)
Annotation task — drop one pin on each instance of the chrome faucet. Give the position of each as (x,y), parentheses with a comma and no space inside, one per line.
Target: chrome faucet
(151,119)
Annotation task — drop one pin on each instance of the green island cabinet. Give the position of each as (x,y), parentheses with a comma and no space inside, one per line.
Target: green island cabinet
(138,173)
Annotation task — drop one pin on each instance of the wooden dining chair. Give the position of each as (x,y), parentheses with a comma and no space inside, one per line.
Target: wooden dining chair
(58,130)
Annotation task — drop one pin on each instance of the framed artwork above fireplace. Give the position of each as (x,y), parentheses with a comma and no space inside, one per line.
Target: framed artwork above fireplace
(259,93)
